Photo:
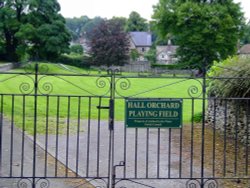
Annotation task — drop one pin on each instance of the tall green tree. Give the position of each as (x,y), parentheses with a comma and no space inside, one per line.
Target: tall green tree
(136,22)
(34,27)
(91,25)
(109,44)
(122,20)
(246,36)
(75,25)
(205,30)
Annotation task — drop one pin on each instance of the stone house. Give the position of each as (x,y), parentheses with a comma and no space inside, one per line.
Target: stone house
(166,54)
(245,50)
(141,41)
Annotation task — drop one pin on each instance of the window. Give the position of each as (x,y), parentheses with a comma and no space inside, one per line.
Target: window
(142,49)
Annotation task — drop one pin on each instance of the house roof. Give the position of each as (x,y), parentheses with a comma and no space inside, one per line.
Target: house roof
(245,49)
(166,49)
(141,38)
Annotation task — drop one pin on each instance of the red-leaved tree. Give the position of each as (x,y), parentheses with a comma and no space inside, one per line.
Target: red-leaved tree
(109,44)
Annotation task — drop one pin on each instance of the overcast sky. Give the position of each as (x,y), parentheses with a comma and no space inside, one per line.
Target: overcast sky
(110,8)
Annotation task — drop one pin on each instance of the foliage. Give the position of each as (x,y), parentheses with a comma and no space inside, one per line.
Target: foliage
(170,66)
(89,27)
(136,22)
(34,27)
(151,55)
(121,20)
(75,25)
(197,117)
(77,60)
(109,44)
(232,78)
(204,30)
(134,54)
(77,49)
(246,36)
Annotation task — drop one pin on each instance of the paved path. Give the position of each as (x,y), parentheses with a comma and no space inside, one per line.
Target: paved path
(145,153)
(92,160)
(11,165)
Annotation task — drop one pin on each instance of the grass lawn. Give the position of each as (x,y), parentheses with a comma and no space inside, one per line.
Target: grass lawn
(20,108)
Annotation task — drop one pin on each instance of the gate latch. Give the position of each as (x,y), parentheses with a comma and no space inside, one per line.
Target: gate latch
(102,107)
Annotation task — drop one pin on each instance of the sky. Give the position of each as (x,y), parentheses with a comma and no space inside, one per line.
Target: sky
(110,8)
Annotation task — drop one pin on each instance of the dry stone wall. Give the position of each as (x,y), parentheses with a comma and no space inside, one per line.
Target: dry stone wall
(231,117)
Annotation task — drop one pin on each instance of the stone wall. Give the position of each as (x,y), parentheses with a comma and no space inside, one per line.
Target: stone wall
(232,116)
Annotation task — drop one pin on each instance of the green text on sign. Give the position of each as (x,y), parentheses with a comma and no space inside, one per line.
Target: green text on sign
(153,113)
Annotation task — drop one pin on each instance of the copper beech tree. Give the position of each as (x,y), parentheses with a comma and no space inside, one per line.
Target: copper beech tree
(109,44)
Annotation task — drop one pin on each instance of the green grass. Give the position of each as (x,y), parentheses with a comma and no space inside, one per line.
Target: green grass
(23,113)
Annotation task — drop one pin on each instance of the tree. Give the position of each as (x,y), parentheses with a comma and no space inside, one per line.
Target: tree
(77,49)
(75,25)
(109,44)
(122,20)
(205,30)
(136,22)
(134,54)
(246,36)
(151,55)
(34,27)
(89,27)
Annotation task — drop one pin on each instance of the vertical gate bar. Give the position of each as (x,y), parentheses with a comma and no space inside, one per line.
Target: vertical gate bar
(136,150)
(46,136)
(67,138)
(35,126)
(203,122)
(192,141)
(88,138)
(112,175)
(111,127)
(236,138)
(180,159)
(247,141)
(11,134)
(158,151)
(98,137)
(78,134)
(214,137)
(1,130)
(57,134)
(125,152)
(169,152)
(147,152)
(225,140)
(23,134)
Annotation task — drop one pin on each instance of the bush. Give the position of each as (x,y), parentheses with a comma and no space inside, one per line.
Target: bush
(230,78)
(197,118)
(77,49)
(169,67)
(75,60)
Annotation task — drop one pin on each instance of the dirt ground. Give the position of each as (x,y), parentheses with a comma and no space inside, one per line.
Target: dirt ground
(215,160)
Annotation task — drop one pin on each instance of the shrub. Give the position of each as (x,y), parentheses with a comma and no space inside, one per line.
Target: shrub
(169,67)
(197,118)
(230,78)
(74,60)
(77,49)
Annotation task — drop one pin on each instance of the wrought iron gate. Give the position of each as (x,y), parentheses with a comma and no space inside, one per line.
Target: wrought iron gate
(48,134)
